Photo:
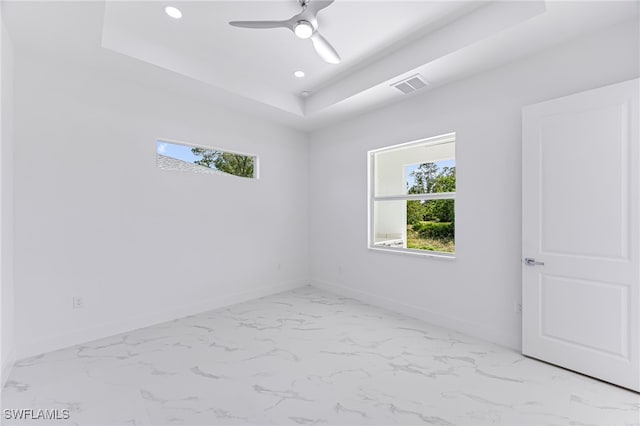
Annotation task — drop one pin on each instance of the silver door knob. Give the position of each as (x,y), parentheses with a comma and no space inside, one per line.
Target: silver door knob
(532,262)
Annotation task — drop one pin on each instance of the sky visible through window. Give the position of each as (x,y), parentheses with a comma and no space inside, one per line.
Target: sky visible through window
(413,167)
(181,152)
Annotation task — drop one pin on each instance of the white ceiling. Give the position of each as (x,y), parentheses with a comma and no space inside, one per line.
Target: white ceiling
(269,57)
(259,64)
(380,42)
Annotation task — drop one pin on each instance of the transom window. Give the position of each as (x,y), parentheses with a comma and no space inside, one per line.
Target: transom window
(412,191)
(197,159)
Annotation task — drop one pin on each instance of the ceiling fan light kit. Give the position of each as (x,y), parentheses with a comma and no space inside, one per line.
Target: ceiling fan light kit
(304,25)
(303,29)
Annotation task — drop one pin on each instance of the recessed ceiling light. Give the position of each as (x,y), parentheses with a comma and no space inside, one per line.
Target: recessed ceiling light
(303,29)
(174,12)
(305,93)
(299,74)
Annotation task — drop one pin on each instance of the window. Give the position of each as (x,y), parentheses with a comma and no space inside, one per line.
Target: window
(412,191)
(196,159)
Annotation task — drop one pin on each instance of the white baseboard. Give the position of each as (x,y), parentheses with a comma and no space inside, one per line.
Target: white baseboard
(477,330)
(117,327)
(7,366)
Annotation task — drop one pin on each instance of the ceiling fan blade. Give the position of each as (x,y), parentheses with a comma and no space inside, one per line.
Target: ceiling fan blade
(315,6)
(324,49)
(261,24)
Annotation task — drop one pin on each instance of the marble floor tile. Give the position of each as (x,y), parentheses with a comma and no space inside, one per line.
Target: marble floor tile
(307,357)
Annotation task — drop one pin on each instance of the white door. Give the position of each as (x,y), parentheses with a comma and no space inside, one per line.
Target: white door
(580,284)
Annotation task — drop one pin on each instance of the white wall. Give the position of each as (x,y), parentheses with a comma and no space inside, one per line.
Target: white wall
(94,217)
(476,292)
(6,205)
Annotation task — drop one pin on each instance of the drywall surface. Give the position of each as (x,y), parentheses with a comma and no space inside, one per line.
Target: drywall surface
(6,205)
(95,218)
(478,291)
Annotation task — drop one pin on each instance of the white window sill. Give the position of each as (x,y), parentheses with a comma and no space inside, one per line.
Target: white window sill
(423,253)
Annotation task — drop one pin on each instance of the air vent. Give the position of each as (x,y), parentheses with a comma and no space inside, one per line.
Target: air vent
(410,84)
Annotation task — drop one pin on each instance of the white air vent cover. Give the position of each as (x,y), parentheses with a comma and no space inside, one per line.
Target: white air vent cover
(410,84)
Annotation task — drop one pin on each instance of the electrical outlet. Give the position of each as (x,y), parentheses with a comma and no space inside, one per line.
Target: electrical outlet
(78,303)
(518,307)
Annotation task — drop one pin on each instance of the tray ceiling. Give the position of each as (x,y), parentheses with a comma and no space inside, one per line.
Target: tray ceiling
(381,43)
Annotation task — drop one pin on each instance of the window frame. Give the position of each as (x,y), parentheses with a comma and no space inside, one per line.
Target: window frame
(372,198)
(256,161)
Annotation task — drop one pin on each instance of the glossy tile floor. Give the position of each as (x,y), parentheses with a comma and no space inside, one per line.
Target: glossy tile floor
(308,357)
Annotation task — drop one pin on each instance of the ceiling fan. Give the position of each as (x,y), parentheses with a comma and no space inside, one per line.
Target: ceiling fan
(304,25)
